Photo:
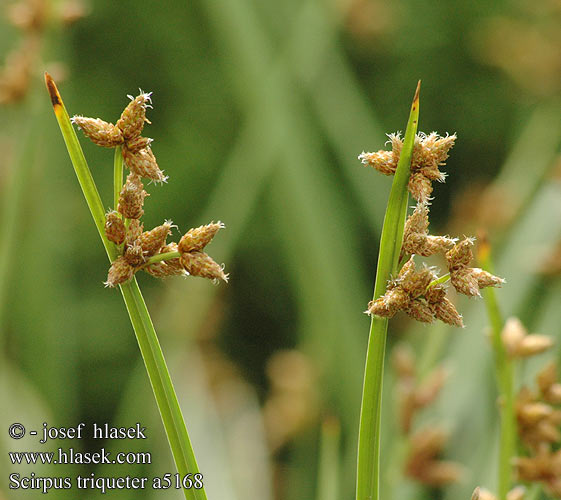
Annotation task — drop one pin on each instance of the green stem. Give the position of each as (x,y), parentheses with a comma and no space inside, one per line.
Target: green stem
(162,256)
(117,176)
(368,467)
(438,281)
(329,466)
(150,349)
(505,381)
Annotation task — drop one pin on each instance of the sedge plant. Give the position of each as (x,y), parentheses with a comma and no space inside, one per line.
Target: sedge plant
(130,249)
(415,162)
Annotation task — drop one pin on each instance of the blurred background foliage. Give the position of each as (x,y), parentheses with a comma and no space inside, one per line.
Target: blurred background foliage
(260,110)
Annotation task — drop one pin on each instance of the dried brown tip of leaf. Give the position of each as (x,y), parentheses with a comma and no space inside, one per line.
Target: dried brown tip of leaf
(131,199)
(143,163)
(133,117)
(114,228)
(475,494)
(171,267)
(198,238)
(383,161)
(517,493)
(99,132)
(119,272)
(152,241)
(200,264)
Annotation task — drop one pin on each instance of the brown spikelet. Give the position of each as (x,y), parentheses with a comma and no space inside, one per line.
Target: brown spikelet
(548,384)
(383,161)
(171,267)
(133,117)
(143,163)
(139,143)
(464,281)
(134,231)
(420,310)
(119,272)
(420,187)
(416,283)
(446,312)
(152,241)
(114,228)
(198,238)
(201,264)
(131,199)
(461,254)
(134,255)
(99,132)
(485,279)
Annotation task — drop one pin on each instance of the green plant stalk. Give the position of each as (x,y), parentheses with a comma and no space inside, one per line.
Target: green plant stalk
(328,485)
(505,380)
(368,464)
(117,176)
(150,349)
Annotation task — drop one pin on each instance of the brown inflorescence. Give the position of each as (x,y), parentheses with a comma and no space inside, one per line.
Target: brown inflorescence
(139,249)
(429,153)
(519,344)
(411,291)
(539,420)
(136,150)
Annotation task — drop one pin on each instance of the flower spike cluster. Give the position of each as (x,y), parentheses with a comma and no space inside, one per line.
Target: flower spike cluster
(422,294)
(148,251)
(136,150)
(429,153)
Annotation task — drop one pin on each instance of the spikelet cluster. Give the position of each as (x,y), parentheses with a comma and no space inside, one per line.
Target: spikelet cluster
(126,134)
(538,415)
(138,249)
(430,152)
(422,294)
(427,443)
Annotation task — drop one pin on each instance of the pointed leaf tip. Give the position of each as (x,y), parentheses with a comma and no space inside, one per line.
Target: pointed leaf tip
(416,98)
(53,91)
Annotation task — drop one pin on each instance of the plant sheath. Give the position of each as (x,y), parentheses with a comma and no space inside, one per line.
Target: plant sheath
(150,349)
(505,378)
(368,467)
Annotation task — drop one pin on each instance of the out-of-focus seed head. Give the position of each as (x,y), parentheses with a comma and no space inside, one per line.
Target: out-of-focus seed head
(548,384)
(517,493)
(28,15)
(131,199)
(383,161)
(119,272)
(534,344)
(198,238)
(171,267)
(143,163)
(133,117)
(429,390)
(139,143)
(512,335)
(99,132)
(201,264)
(422,463)
(404,361)
(134,255)
(485,495)
(114,228)
(152,241)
